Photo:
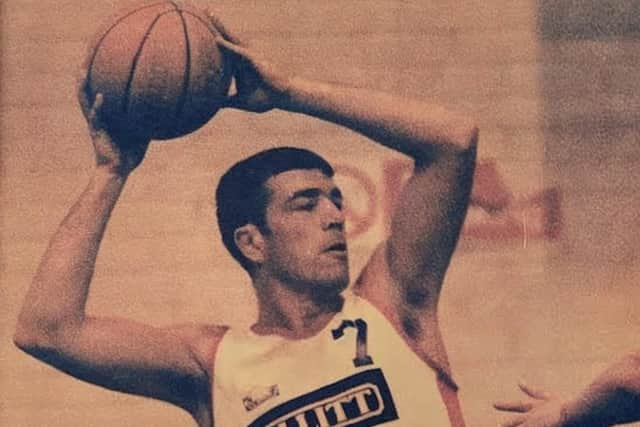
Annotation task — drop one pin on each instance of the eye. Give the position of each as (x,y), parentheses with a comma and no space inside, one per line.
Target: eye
(305,203)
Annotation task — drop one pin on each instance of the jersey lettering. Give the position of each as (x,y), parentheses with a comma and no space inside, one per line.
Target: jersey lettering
(361,400)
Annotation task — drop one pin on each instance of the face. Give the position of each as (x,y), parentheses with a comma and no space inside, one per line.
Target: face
(305,245)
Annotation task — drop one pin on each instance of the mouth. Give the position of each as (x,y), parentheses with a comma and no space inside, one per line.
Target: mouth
(338,248)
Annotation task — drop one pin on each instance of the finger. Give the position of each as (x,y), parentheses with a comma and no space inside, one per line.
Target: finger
(514,422)
(81,79)
(94,113)
(234,48)
(518,406)
(533,392)
(222,29)
(242,64)
(82,88)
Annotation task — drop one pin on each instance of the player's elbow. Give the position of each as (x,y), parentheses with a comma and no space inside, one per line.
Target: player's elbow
(39,336)
(37,348)
(630,374)
(467,136)
(463,156)
(28,341)
(474,135)
(31,339)
(458,144)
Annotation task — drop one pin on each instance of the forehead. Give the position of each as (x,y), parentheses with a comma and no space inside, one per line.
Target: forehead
(285,184)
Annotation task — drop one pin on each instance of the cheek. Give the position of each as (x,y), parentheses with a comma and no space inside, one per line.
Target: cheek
(293,241)
(292,230)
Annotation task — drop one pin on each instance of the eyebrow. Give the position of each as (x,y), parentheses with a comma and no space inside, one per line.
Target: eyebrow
(311,193)
(308,193)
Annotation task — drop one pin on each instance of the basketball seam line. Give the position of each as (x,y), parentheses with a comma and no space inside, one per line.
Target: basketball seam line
(136,58)
(187,72)
(104,36)
(208,25)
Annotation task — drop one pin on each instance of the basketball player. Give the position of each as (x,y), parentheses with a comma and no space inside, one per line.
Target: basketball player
(612,398)
(319,354)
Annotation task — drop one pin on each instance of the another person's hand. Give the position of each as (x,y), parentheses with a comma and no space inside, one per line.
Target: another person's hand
(118,153)
(539,409)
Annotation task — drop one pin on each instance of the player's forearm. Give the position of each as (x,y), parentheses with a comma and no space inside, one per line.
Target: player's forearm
(613,398)
(55,301)
(413,127)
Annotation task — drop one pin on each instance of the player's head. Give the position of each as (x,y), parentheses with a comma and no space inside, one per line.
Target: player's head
(280,210)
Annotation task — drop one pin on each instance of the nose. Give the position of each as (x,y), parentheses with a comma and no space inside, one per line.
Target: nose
(333,216)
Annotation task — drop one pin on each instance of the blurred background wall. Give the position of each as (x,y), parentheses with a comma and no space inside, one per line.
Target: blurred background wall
(545,288)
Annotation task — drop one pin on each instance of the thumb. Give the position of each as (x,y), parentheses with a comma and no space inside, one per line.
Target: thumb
(232,48)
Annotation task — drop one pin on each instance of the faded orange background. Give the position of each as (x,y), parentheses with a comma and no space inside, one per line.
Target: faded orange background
(553,84)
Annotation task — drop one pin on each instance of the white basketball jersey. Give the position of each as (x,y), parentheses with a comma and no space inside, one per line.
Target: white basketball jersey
(356,372)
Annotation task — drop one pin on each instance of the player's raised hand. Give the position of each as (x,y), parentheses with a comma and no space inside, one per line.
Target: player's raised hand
(118,153)
(260,86)
(538,409)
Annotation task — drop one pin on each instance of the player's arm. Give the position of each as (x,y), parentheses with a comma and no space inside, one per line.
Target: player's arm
(612,398)
(430,212)
(118,354)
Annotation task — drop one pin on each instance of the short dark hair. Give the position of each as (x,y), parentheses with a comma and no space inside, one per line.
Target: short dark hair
(241,197)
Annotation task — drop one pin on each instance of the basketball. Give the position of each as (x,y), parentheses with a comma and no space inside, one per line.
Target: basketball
(159,70)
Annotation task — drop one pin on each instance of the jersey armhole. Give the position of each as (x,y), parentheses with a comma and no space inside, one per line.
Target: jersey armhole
(441,372)
(215,357)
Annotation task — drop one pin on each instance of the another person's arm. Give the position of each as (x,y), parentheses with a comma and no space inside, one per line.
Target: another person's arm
(612,398)
(53,326)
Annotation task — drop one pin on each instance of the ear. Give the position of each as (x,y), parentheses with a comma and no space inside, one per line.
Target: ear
(250,241)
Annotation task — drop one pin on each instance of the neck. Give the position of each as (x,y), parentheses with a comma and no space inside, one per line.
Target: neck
(293,314)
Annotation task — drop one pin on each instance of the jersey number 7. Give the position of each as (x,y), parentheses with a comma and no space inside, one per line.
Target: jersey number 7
(362,358)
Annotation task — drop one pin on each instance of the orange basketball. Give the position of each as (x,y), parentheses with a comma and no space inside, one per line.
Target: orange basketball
(159,70)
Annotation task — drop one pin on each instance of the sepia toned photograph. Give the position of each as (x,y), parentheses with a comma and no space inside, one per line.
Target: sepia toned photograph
(296,213)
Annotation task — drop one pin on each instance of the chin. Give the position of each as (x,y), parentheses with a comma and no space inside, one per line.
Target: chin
(323,280)
(329,293)
(336,284)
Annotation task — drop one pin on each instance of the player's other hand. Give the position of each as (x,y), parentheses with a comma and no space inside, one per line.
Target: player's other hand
(260,86)
(538,409)
(116,153)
